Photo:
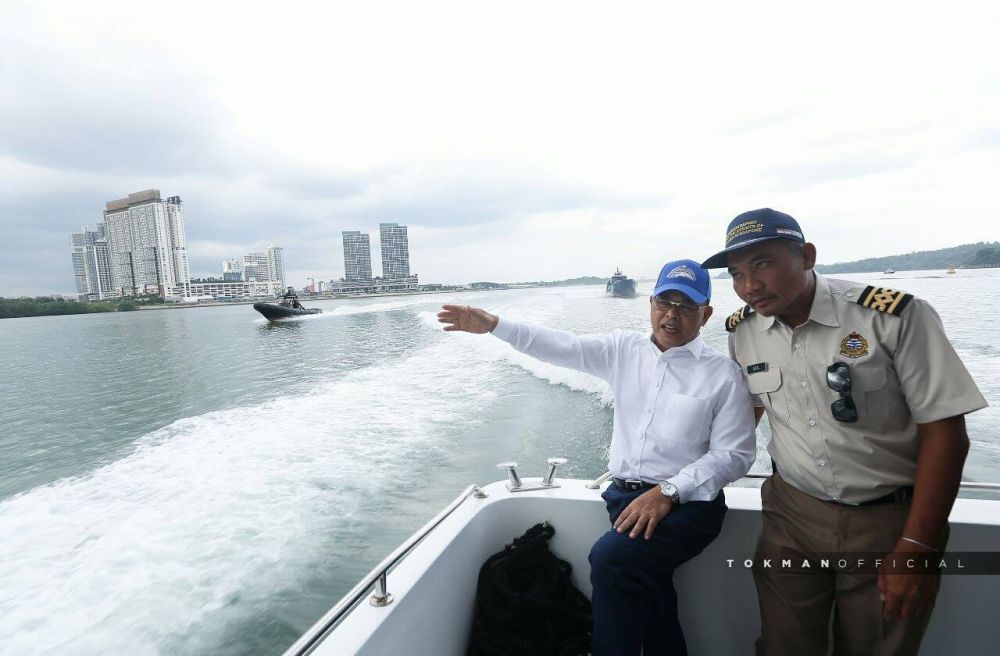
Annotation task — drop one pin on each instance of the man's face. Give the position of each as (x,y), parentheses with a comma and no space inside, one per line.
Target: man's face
(676,319)
(772,275)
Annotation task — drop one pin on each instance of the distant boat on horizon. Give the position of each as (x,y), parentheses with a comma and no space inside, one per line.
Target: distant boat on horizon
(620,285)
(889,271)
(951,268)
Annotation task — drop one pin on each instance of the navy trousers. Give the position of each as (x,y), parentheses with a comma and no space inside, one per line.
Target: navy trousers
(634,602)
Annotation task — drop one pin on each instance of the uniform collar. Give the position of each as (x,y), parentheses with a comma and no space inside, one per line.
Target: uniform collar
(822,310)
(694,347)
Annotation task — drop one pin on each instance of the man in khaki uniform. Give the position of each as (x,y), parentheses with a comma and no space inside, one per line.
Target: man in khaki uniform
(866,400)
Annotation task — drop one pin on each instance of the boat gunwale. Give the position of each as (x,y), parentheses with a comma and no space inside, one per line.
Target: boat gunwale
(321,629)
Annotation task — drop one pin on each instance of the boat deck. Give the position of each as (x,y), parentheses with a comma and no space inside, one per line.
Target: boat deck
(434,586)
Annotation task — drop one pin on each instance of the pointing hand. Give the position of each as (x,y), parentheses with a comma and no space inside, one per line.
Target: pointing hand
(467,319)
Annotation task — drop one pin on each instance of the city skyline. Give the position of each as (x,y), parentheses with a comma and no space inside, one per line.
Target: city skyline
(138,248)
(147,253)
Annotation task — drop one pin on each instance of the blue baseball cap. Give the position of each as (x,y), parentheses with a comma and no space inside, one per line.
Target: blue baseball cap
(755,226)
(687,277)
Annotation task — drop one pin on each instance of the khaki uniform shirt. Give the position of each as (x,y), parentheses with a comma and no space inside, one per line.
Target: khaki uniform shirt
(904,371)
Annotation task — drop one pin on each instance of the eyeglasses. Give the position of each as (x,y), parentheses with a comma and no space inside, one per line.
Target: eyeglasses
(838,378)
(686,310)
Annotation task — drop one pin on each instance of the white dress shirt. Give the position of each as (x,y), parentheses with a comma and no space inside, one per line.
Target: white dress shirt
(683,415)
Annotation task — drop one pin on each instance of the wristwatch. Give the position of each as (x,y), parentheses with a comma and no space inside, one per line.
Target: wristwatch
(669,490)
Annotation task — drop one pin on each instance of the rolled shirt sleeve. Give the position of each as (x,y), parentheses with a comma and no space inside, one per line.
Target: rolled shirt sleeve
(732,445)
(933,378)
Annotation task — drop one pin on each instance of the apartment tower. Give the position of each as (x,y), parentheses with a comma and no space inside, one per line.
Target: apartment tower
(91,263)
(147,243)
(357,257)
(395,251)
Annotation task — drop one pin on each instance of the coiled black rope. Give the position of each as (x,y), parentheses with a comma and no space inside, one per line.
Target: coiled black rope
(526,603)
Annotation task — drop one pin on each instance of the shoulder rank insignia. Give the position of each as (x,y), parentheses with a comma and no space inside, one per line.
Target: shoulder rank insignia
(736,317)
(885,300)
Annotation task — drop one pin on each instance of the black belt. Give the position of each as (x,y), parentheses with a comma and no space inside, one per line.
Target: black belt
(631,485)
(899,495)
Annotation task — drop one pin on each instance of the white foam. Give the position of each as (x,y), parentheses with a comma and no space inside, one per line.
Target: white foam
(213,515)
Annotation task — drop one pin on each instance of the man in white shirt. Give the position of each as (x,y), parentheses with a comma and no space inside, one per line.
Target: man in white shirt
(683,429)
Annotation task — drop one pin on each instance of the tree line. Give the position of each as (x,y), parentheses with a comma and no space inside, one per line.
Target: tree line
(41,306)
(967,255)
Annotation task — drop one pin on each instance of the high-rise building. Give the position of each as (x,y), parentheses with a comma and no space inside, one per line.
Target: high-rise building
(357,257)
(395,250)
(147,243)
(232,270)
(276,263)
(91,263)
(263,266)
(255,267)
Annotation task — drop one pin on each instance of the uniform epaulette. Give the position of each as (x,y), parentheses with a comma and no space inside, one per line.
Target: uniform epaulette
(882,299)
(736,317)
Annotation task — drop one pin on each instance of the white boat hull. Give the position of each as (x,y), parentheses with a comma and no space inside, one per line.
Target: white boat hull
(434,586)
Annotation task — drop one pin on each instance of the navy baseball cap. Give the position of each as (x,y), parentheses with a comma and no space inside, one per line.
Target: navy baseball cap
(687,277)
(752,227)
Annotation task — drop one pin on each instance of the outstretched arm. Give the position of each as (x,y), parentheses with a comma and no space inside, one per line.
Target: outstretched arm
(592,354)
(467,319)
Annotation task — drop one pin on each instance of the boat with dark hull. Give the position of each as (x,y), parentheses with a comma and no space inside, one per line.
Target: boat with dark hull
(621,285)
(288,308)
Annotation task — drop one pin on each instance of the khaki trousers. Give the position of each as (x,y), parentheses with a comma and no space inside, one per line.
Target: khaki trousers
(795,605)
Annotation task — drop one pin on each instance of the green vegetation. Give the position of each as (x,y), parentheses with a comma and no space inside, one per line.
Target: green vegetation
(967,255)
(41,306)
(986,256)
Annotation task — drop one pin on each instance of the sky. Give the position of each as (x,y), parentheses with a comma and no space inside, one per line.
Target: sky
(517,140)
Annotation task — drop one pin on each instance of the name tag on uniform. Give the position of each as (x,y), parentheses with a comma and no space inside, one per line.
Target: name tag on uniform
(756,368)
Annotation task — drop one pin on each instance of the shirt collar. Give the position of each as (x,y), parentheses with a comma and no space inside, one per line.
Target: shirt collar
(822,310)
(694,347)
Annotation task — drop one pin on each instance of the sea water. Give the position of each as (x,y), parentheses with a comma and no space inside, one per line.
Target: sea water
(199,480)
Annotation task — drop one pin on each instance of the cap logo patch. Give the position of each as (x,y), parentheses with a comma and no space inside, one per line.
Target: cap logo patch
(744,228)
(854,345)
(682,271)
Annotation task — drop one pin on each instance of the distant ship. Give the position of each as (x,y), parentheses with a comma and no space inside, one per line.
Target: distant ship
(889,271)
(621,285)
(951,268)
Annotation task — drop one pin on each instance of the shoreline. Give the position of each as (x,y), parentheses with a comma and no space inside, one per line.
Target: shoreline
(309,299)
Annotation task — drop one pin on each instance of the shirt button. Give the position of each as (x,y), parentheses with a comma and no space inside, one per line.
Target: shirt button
(795,345)
(804,384)
(821,462)
(812,422)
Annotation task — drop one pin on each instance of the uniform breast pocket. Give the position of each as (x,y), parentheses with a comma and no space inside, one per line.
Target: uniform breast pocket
(766,385)
(868,387)
(688,419)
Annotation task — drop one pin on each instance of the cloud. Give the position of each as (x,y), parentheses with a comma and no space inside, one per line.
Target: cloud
(640,133)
